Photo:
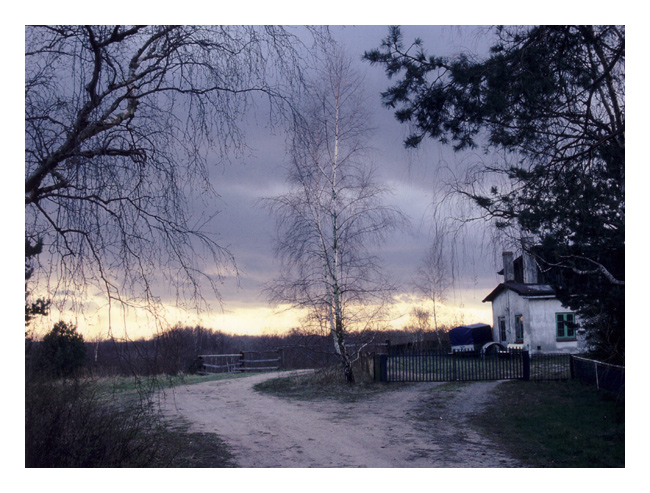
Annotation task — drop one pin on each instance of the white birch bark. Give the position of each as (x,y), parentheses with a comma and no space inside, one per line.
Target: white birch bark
(333,214)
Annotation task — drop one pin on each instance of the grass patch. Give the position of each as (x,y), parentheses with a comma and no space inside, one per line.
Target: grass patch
(556,424)
(158,382)
(325,384)
(180,448)
(112,422)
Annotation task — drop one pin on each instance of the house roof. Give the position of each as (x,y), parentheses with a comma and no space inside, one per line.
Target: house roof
(527,290)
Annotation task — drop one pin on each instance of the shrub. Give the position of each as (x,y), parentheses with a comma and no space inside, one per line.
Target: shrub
(62,351)
(71,423)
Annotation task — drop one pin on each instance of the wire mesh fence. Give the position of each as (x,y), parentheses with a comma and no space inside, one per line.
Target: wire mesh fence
(603,375)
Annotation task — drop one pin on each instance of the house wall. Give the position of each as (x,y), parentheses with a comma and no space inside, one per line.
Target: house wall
(542,327)
(539,322)
(508,304)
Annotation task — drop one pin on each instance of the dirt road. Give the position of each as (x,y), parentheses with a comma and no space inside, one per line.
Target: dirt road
(388,430)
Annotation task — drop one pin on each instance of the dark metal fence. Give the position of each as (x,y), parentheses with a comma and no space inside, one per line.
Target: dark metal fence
(440,366)
(550,366)
(406,364)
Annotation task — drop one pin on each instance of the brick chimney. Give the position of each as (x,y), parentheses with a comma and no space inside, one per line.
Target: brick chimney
(508,267)
(530,266)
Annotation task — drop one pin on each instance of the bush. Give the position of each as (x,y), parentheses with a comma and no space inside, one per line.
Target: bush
(70,423)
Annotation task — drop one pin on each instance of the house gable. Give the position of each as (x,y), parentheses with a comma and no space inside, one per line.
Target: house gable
(524,290)
(527,314)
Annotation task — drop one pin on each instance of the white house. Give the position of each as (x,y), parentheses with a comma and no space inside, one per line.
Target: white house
(526,314)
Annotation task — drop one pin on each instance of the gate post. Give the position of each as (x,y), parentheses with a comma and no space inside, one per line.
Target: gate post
(525,360)
(383,367)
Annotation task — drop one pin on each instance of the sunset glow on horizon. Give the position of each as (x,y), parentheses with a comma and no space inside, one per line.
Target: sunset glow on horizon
(243,231)
(239,319)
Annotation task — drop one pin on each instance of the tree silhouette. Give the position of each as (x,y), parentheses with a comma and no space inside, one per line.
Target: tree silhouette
(551,99)
(122,124)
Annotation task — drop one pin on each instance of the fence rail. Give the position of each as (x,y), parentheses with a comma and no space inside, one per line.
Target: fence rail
(219,363)
(550,366)
(239,362)
(603,375)
(411,365)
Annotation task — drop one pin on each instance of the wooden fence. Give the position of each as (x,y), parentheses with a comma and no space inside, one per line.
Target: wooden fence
(240,362)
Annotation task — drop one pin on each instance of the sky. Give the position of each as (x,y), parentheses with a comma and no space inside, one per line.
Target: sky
(415,176)
(246,229)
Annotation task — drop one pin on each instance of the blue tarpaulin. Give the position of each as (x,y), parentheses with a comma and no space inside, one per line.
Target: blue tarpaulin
(466,335)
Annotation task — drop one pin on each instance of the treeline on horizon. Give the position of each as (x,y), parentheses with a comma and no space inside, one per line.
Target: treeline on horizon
(176,350)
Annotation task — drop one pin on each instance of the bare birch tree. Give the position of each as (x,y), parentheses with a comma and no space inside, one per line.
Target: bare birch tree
(333,216)
(418,326)
(433,277)
(121,125)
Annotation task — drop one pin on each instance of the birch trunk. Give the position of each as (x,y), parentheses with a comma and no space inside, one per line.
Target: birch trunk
(338,327)
(333,214)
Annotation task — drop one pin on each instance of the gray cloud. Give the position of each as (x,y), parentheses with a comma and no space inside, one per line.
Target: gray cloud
(246,229)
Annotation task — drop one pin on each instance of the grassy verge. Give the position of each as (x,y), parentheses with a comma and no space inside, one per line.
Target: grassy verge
(322,385)
(556,424)
(159,382)
(111,423)
(177,447)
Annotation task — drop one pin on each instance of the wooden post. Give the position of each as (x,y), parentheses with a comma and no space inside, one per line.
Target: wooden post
(242,360)
(572,369)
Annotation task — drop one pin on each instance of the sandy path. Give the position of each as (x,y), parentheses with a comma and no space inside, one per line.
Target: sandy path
(383,431)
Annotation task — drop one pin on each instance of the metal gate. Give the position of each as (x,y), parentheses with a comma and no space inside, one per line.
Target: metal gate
(437,366)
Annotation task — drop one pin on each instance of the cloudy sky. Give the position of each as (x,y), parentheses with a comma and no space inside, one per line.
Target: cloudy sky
(246,229)
(417,179)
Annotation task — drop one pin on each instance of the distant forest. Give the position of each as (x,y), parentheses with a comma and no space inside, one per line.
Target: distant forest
(176,351)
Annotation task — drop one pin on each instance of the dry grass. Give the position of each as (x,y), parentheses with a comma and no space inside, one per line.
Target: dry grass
(111,423)
(327,383)
(557,424)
